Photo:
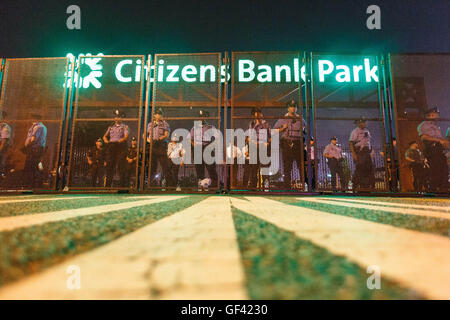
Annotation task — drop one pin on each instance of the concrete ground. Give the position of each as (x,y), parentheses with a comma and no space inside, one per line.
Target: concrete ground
(223,247)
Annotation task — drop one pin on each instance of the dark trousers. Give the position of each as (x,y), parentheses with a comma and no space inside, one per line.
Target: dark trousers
(438,172)
(364,175)
(97,173)
(116,161)
(336,169)
(3,162)
(32,175)
(131,174)
(251,174)
(211,168)
(291,151)
(174,169)
(159,155)
(419,175)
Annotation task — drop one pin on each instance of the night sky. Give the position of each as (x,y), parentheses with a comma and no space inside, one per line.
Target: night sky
(38,28)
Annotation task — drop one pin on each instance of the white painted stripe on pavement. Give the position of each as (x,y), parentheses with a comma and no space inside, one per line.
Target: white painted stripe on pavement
(44,199)
(391,204)
(417,260)
(192,254)
(15,222)
(423,213)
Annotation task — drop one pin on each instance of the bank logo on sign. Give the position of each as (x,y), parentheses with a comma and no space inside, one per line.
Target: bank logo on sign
(94,76)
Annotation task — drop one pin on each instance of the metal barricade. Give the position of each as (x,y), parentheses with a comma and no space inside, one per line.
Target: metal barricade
(263,86)
(421,95)
(33,102)
(187,100)
(105,137)
(349,130)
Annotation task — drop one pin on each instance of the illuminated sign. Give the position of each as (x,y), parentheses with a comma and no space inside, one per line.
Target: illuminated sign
(130,70)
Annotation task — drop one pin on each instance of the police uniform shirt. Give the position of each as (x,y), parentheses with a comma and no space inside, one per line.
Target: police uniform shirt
(430,128)
(159,129)
(360,137)
(5,132)
(39,131)
(263,124)
(294,128)
(333,150)
(97,155)
(200,137)
(117,132)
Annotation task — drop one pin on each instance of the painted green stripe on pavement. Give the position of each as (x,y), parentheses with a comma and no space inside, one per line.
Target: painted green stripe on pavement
(28,250)
(22,208)
(278,265)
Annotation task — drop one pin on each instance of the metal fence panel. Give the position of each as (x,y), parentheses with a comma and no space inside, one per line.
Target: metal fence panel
(186,88)
(262,84)
(346,94)
(106,131)
(421,82)
(32,113)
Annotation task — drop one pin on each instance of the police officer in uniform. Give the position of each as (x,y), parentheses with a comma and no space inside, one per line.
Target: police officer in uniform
(361,148)
(198,138)
(132,155)
(290,129)
(158,132)
(333,153)
(418,166)
(251,170)
(5,141)
(116,139)
(434,150)
(97,162)
(34,148)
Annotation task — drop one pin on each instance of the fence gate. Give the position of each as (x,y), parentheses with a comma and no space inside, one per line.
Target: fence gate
(263,84)
(187,104)
(106,130)
(420,83)
(347,104)
(33,99)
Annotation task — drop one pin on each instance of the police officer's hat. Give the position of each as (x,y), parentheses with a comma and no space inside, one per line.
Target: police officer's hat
(255,110)
(291,103)
(333,138)
(99,140)
(159,111)
(360,120)
(133,139)
(203,113)
(119,114)
(431,110)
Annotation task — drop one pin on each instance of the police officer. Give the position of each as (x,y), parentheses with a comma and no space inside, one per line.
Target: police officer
(116,138)
(158,132)
(251,170)
(5,141)
(97,162)
(290,128)
(333,153)
(362,152)
(199,139)
(418,166)
(434,150)
(132,155)
(34,148)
